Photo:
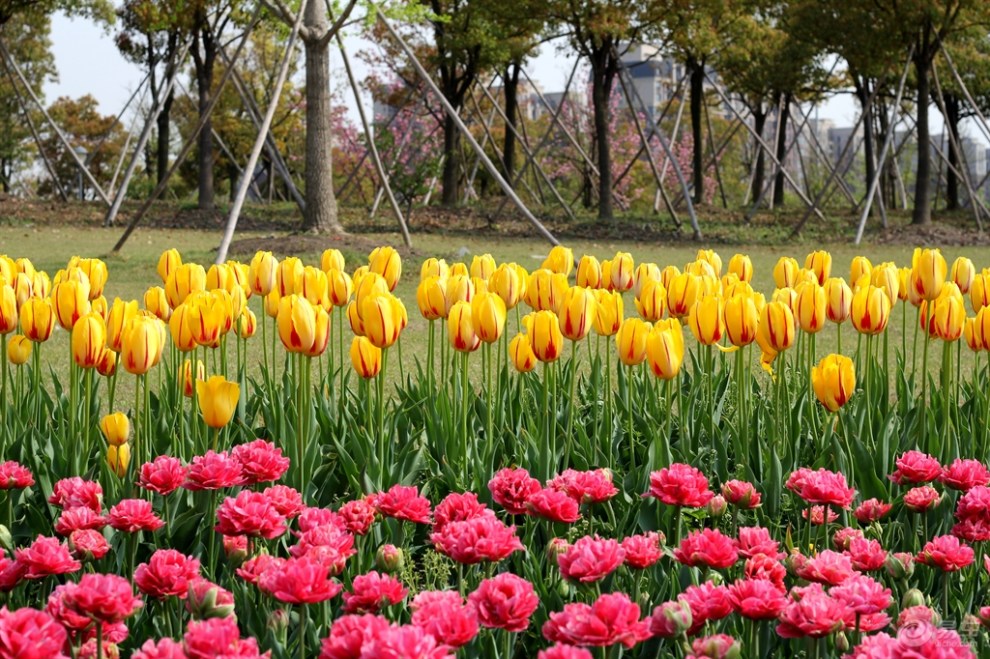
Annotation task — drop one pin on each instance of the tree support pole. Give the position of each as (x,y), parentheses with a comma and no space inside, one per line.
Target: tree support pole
(963,169)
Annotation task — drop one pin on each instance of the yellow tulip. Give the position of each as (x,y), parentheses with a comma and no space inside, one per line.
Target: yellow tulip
(168,262)
(545,290)
(7,268)
(271,302)
(820,263)
(431,298)
(24,265)
(108,363)
(482,266)
(775,333)
(459,269)
(962,274)
(506,282)
(706,320)
(141,344)
(973,335)
(118,459)
(220,275)
(461,329)
(839,300)
(434,267)
(621,271)
(242,277)
(652,300)
(480,285)
(339,287)
(116,428)
(733,286)
(188,385)
(644,272)
(70,301)
(577,312)
(488,314)
(589,272)
(521,353)
(332,259)
(903,284)
(631,341)
(742,319)
(89,338)
(929,271)
(682,293)
(354,319)
(37,319)
(560,260)
(288,275)
(321,334)
(381,319)
(365,358)
(667,275)
(247,324)
(156,302)
(368,285)
(979,291)
(785,272)
(217,399)
(296,321)
(8,309)
(834,381)
(810,308)
(741,266)
(947,315)
(19,349)
(206,317)
(24,289)
(870,310)
(665,350)
(261,272)
(887,277)
(180,328)
(608,312)
(119,315)
(314,286)
(386,262)
(712,258)
(184,280)
(545,336)
(860,266)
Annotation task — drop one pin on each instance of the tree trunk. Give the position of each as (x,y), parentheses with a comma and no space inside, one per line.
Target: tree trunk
(759,166)
(164,122)
(781,181)
(204,56)
(321,214)
(952,111)
(869,151)
(602,76)
(698,147)
(922,213)
(511,90)
(451,161)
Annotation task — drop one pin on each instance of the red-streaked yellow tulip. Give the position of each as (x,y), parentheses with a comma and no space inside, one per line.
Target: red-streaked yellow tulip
(168,262)
(118,459)
(839,300)
(184,280)
(19,349)
(431,298)
(929,271)
(622,271)
(972,334)
(644,272)
(482,266)
(706,320)
(820,263)
(488,316)
(682,293)
(156,302)
(221,275)
(560,260)
(742,319)
(712,258)
(948,314)
(207,317)
(89,339)
(70,302)
(775,333)
(188,384)
(296,323)
(979,291)
(741,266)
(545,290)
(261,273)
(460,328)
(433,267)
(381,319)
(665,350)
(141,344)
(37,318)
(834,381)
(577,313)
(589,272)
(631,341)
(108,363)
(887,277)
(386,262)
(288,276)
(119,315)
(321,334)
(962,274)
(8,309)
(116,428)
(247,324)
(366,358)
(332,259)
(180,328)
(811,307)
(545,336)
(859,266)
(785,272)
(521,353)
(652,300)
(314,286)
(870,310)
(608,312)
(508,281)
(339,287)
(217,399)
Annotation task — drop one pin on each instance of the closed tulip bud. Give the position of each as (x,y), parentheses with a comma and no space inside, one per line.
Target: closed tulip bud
(142,344)
(521,354)
(577,313)
(608,312)
(929,270)
(118,459)
(712,258)
(631,341)
(480,285)
(963,273)
(188,278)
(741,266)
(903,284)
(217,400)
(706,320)
(207,317)
(508,283)
(732,286)
(488,315)
(242,277)
(682,293)
(870,310)
(116,428)
(607,276)
(247,324)
(433,267)
(545,336)
(354,319)
(742,319)
(460,328)
(886,276)
(37,318)
(834,381)
(652,300)
(314,286)
(8,309)
(860,266)
(339,287)
(838,297)
(366,358)
(622,271)
(810,309)
(19,349)
(973,336)
(545,290)
(288,276)
(180,328)
(99,307)
(482,266)
(665,349)
(24,289)
(296,321)
(676,616)
(332,259)
(321,334)
(188,384)
(220,275)
(776,330)
(261,273)
(385,261)
(949,314)
(900,566)
(459,269)
(108,363)
(644,272)
(156,302)
(389,559)
(380,320)
(979,290)
(119,315)
(7,268)
(785,272)
(168,262)
(89,338)
(560,260)
(820,263)
(716,506)
(24,265)
(70,301)
(431,298)
(589,272)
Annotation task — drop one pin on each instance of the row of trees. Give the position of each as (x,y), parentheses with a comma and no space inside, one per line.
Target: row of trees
(768,53)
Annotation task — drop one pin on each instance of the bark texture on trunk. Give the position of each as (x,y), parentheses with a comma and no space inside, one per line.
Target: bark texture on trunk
(697,84)
(511,89)
(451,161)
(760,164)
(952,110)
(603,70)
(204,56)
(869,151)
(922,213)
(781,180)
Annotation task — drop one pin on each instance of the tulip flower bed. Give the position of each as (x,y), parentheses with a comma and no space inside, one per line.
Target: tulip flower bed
(616,459)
